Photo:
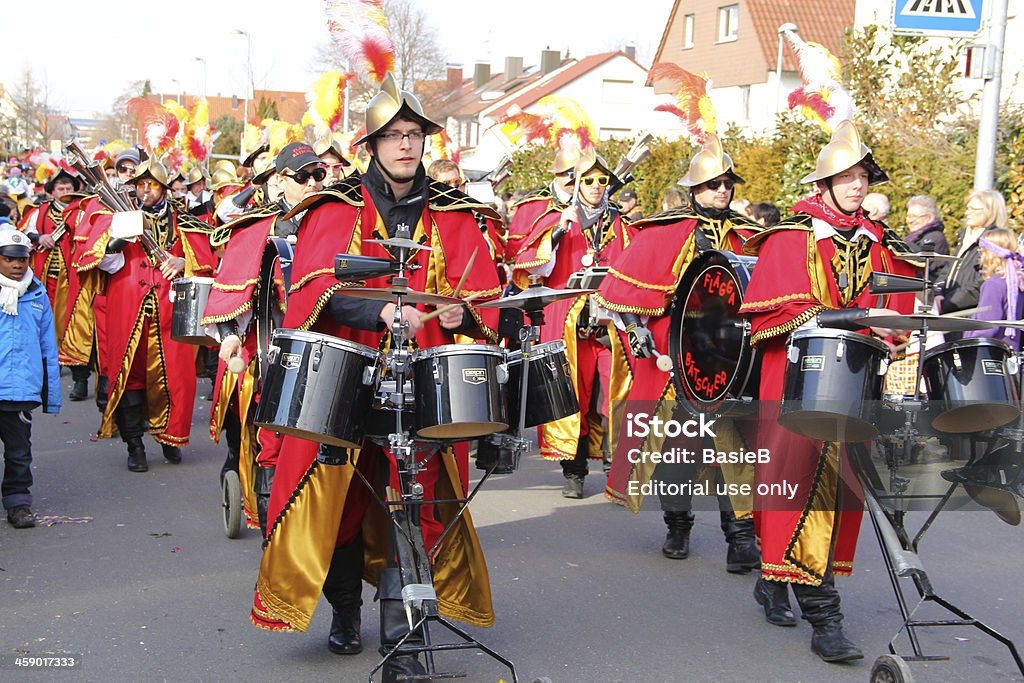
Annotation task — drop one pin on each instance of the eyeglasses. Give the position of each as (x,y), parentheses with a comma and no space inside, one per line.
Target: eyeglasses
(302,177)
(718,182)
(601,180)
(393,137)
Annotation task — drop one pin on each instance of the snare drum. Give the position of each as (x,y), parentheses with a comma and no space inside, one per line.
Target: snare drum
(318,387)
(972,383)
(550,394)
(709,342)
(833,384)
(188,298)
(460,391)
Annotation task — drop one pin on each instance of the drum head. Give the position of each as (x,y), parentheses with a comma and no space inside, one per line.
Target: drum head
(709,341)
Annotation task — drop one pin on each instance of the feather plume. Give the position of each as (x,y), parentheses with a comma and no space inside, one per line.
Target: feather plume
(519,126)
(568,120)
(280,133)
(198,142)
(821,99)
(326,103)
(443,147)
(693,100)
(157,126)
(359,29)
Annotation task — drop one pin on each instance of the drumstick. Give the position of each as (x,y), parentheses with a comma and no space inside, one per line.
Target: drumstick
(448,307)
(236,365)
(465,273)
(663,361)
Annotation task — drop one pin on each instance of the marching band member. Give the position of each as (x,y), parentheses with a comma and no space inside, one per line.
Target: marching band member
(640,287)
(231,310)
(151,376)
(586,233)
(813,269)
(321,520)
(542,206)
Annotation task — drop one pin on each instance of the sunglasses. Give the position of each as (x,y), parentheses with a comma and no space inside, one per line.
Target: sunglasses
(716,183)
(601,180)
(126,169)
(148,184)
(302,177)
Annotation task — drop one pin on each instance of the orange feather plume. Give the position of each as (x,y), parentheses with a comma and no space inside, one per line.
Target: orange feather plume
(693,99)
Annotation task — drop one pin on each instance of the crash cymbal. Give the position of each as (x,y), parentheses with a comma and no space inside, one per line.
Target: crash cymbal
(409,296)
(401,242)
(936,323)
(534,298)
(922,255)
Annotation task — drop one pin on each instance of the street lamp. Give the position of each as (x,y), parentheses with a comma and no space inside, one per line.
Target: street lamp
(783,30)
(203,60)
(177,95)
(248,76)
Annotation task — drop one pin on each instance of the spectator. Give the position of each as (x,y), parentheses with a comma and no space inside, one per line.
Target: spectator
(627,205)
(1003,276)
(30,374)
(765,213)
(672,198)
(924,225)
(985,209)
(876,206)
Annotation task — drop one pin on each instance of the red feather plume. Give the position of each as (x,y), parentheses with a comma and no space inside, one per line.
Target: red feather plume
(359,29)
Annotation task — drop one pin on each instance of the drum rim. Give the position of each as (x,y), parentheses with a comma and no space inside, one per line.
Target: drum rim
(969,342)
(834,333)
(190,280)
(313,337)
(548,348)
(458,350)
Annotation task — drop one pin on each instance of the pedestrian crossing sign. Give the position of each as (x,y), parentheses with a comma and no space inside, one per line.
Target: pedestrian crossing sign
(949,18)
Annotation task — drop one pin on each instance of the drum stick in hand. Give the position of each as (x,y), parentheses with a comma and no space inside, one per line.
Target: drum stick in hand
(663,362)
(465,273)
(448,307)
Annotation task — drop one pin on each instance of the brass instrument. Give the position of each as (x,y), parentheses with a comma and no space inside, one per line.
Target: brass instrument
(118,201)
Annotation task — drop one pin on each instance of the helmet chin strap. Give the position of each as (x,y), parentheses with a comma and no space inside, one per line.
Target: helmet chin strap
(832,194)
(380,166)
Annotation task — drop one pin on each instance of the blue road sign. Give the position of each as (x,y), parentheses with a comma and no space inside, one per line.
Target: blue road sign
(951,18)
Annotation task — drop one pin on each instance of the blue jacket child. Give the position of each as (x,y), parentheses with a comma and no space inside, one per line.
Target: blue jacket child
(29,372)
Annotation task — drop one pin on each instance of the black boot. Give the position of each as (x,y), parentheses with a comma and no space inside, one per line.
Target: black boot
(233,437)
(172,454)
(393,626)
(230,464)
(102,392)
(677,543)
(573,487)
(820,606)
(131,423)
(774,597)
(261,487)
(343,588)
(743,554)
(80,390)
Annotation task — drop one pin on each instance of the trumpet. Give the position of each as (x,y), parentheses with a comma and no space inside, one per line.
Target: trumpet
(115,200)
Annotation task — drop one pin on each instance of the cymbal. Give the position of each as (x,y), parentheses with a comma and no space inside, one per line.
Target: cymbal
(931,255)
(535,298)
(408,296)
(401,242)
(936,323)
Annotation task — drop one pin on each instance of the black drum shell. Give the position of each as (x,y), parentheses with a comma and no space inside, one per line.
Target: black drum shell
(831,396)
(723,334)
(465,399)
(190,297)
(979,395)
(550,394)
(314,388)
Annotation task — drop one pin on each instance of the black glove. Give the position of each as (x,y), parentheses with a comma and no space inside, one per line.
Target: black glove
(115,245)
(641,341)
(226,329)
(557,234)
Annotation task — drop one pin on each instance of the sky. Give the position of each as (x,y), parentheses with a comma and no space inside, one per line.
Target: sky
(85,57)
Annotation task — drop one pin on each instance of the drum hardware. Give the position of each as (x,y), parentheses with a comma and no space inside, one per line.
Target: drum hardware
(188,297)
(403,244)
(927,256)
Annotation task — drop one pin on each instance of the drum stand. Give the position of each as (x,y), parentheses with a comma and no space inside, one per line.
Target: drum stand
(403,507)
(900,551)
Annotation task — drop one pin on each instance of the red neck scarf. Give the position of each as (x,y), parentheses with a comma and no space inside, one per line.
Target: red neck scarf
(815,206)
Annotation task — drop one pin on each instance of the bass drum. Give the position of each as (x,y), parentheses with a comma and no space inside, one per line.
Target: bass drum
(708,341)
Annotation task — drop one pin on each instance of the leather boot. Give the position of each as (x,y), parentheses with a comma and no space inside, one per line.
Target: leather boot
(820,606)
(261,487)
(774,597)
(102,392)
(172,454)
(80,390)
(393,626)
(131,423)
(743,554)
(343,588)
(573,487)
(677,543)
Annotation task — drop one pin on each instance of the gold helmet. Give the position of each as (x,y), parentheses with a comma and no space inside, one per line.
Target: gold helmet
(249,161)
(331,146)
(565,159)
(194,175)
(153,169)
(390,103)
(845,150)
(224,165)
(709,163)
(222,178)
(589,160)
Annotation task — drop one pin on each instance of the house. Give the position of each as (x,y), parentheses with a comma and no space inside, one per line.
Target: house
(290,106)
(737,43)
(611,87)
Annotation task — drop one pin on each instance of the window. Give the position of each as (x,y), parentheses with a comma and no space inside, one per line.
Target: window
(728,23)
(688,31)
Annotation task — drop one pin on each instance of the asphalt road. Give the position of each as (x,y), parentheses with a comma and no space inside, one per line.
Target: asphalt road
(150,588)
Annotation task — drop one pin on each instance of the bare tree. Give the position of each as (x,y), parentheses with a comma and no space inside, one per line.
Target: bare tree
(30,99)
(116,124)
